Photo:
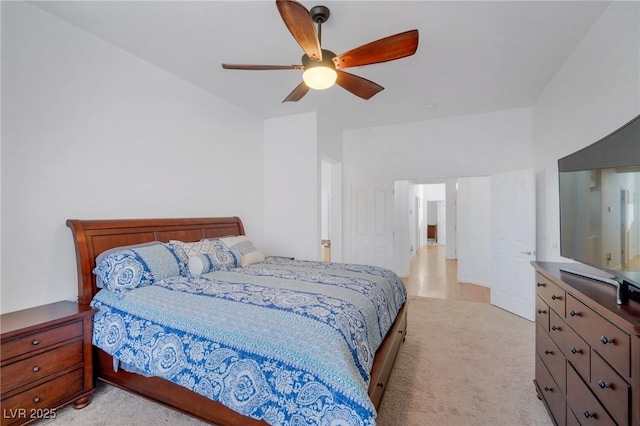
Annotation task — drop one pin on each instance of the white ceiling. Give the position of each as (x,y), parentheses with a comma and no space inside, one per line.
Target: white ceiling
(473,56)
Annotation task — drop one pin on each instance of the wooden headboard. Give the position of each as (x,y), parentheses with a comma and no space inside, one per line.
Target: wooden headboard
(92,237)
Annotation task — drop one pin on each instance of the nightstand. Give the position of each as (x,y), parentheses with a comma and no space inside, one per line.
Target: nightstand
(45,361)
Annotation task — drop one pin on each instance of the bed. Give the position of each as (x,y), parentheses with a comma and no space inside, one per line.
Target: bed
(93,237)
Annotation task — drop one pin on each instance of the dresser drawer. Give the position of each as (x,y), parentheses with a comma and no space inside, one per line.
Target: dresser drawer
(542,313)
(605,338)
(583,403)
(551,294)
(611,389)
(572,420)
(550,392)
(40,366)
(552,358)
(574,348)
(40,340)
(47,395)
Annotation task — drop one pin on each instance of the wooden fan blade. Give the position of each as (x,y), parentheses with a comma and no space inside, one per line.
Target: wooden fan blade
(297,93)
(386,49)
(261,67)
(297,19)
(357,85)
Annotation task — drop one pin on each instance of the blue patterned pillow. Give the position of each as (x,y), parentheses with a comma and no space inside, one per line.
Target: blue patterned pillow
(212,261)
(125,269)
(208,255)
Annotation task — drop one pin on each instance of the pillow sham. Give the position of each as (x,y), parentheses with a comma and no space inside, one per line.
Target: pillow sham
(213,261)
(126,268)
(106,253)
(208,255)
(243,245)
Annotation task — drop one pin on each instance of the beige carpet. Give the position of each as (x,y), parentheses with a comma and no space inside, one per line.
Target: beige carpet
(463,363)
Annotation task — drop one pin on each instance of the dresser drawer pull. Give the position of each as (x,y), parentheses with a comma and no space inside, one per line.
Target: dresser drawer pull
(575,314)
(554,297)
(576,351)
(587,414)
(36,399)
(541,311)
(540,284)
(35,342)
(606,340)
(380,385)
(555,328)
(604,385)
(548,389)
(548,352)
(35,369)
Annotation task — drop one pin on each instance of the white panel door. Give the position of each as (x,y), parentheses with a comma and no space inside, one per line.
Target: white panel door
(513,242)
(372,224)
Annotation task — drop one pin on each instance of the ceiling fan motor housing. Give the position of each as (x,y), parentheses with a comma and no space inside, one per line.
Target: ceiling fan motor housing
(319,14)
(327,60)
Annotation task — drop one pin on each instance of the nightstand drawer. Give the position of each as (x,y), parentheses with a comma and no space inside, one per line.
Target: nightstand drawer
(45,395)
(40,340)
(603,337)
(40,366)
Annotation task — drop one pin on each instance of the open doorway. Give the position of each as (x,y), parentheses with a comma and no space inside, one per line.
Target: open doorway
(443,231)
(330,210)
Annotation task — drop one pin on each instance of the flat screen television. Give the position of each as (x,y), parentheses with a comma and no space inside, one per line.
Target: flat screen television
(600,208)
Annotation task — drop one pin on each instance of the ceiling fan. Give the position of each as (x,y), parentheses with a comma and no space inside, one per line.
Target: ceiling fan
(322,68)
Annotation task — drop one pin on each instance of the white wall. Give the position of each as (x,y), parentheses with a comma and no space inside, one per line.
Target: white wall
(90,131)
(595,92)
(473,145)
(292,187)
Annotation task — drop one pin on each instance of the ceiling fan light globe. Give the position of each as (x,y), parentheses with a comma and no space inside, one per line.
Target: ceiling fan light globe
(319,78)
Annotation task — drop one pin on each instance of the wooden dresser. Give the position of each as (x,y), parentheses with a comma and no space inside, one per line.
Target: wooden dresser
(587,350)
(46,361)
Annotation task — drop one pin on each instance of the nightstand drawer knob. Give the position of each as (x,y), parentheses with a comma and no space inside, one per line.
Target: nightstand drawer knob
(587,414)
(541,311)
(36,399)
(548,352)
(604,385)
(574,314)
(548,389)
(576,351)
(35,369)
(554,297)
(35,342)
(540,284)
(555,328)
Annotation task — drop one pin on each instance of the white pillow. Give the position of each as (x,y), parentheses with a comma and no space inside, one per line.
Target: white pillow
(243,245)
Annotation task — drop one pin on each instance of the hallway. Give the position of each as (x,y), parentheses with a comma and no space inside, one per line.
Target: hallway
(431,275)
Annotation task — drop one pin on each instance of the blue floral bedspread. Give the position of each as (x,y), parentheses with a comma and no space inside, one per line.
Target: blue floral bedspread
(289,342)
